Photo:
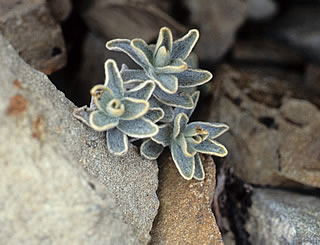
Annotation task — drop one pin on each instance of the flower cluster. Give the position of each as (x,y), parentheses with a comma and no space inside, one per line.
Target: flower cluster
(155,103)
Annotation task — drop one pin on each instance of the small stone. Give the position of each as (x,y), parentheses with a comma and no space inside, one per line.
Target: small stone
(60,9)
(111,19)
(218,22)
(33,32)
(279,217)
(185,215)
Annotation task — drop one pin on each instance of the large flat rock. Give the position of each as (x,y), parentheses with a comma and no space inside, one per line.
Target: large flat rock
(45,191)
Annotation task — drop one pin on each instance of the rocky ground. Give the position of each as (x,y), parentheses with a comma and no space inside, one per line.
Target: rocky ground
(58,181)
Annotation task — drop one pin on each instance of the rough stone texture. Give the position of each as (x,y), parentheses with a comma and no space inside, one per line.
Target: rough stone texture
(218,21)
(299,27)
(128,19)
(32,31)
(273,138)
(185,215)
(45,194)
(278,217)
(60,9)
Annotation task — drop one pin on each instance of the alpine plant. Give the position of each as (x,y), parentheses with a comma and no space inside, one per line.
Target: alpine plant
(154,103)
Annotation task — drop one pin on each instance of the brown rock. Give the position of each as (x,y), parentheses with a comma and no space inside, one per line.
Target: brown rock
(312,76)
(185,215)
(218,22)
(32,31)
(60,9)
(273,138)
(128,19)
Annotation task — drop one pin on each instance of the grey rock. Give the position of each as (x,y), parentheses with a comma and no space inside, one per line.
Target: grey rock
(45,192)
(273,137)
(262,9)
(299,28)
(218,22)
(279,217)
(34,33)
(128,19)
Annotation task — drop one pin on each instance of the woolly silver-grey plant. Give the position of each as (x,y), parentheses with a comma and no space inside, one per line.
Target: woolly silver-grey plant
(119,112)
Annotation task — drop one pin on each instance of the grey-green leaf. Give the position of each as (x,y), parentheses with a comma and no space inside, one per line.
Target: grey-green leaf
(138,128)
(167,83)
(134,108)
(143,90)
(83,114)
(150,149)
(168,111)
(176,66)
(211,147)
(124,45)
(100,121)
(193,77)
(185,165)
(117,141)
(164,39)
(183,46)
(214,129)
(198,171)
(133,74)
(163,137)
(195,97)
(154,114)
(180,123)
(113,78)
(177,99)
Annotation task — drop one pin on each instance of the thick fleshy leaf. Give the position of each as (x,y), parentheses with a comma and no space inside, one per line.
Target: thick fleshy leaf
(163,137)
(83,114)
(124,45)
(176,66)
(198,171)
(162,57)
(117,141)
(180,122)
(154,114)
(177,99)
(150,149)
(113,78)
(134,108)
(214,129)
(100,121)
(101,96)
(211,147)
(187,149)
(142,50)
(185,165)
(193,77)
(168,111)
(138,128)
(164,40)
(195,97)
(142,91)
(167,83)
(182,47)
(133,74)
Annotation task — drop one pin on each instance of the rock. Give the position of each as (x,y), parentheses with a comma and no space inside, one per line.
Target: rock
(185,215)
(312,76)
(42,180)
(32,31)
(279,217)
(60,9)
(273,136)
(299,28)
(112,19)
(218,22)
(261,9)
(257,49)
